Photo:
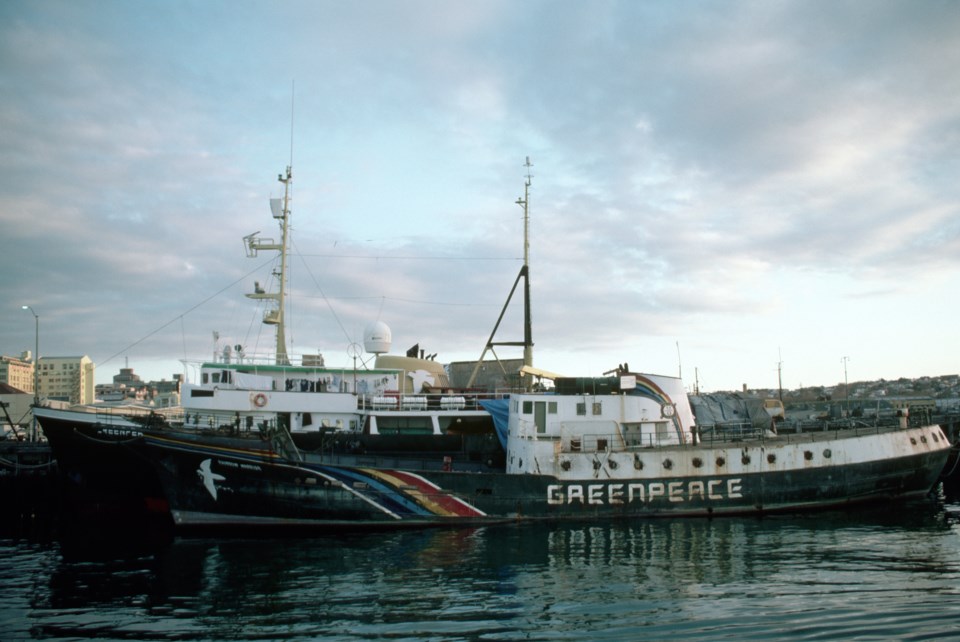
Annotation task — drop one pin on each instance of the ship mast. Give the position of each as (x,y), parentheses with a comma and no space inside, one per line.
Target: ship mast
(527,325)
(275,316)
(524,274)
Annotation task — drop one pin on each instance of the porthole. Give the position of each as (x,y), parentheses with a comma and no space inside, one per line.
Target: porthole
(637,463)
(565,464)
(827,453)
(613,464)
(923,438)
(697,462)
(771,458)
(745,460)
(913,441)
(667,464)
(721,461)
(807,455)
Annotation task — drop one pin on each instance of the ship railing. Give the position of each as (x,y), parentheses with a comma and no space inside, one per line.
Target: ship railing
(851,423)
(730,432)
(720,434)
(268,359)
(792,432)
(222,423)
(849,428)
(449,402)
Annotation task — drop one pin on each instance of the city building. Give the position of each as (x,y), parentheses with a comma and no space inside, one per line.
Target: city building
(128,389)
(18,372)
(69,379)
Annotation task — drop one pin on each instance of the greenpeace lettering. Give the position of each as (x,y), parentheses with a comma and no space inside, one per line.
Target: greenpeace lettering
(644,492)
(119,432)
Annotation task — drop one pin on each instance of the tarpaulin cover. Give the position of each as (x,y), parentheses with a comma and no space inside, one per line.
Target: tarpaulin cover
(499,410)
(729,408)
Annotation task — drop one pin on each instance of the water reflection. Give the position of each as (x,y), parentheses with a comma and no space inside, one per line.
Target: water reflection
(819,577)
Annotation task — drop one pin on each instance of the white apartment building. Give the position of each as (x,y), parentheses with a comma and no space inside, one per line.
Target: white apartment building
(68,379)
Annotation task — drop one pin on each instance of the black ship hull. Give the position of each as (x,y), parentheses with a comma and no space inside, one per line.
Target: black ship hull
(212,486)
(101,470)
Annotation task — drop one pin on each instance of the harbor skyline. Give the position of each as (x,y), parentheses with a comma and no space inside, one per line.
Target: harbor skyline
(730,194)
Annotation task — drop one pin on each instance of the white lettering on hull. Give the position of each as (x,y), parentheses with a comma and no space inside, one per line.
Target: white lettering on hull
(119,432)
(644,492)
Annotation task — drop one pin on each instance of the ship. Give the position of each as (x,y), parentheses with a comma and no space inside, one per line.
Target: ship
(590,448)
(303,446)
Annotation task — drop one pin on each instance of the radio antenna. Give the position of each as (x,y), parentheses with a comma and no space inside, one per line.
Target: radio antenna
(292,92)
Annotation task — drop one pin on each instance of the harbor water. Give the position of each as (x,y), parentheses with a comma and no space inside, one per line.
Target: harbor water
(884,573)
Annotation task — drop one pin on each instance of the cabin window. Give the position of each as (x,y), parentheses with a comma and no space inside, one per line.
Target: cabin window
(404,426)
(581,408)
(205,378)
(527,407)
(597,408)
(216,377)
(551,407)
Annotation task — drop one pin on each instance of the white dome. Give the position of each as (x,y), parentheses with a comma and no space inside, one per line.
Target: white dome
(377,338)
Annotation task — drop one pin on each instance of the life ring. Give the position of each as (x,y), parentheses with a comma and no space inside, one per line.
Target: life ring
(260,400)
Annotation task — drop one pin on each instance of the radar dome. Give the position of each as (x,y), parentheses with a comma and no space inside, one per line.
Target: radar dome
(377,338)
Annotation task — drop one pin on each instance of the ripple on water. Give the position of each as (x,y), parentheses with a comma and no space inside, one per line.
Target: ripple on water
(874,576)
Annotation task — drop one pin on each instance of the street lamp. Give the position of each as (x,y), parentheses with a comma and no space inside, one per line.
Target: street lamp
(36,370)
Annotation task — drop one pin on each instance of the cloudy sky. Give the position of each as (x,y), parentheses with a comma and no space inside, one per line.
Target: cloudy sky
(717,187)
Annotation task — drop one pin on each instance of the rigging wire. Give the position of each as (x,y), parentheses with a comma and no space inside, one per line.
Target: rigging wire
(322,293)
(380,297)
(183,338)
(183,314)
(418,257)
